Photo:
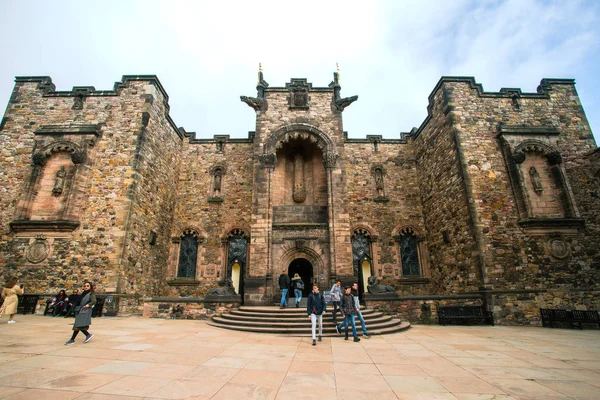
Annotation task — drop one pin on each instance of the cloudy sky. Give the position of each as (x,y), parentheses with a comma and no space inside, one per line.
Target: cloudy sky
(391,53)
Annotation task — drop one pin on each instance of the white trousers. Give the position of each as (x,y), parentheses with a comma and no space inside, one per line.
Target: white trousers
(313,319)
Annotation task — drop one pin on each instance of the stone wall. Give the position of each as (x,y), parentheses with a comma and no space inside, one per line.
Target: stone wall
(106,127)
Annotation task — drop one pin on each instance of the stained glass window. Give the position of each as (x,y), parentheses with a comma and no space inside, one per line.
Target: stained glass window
(410,255)
(188,252)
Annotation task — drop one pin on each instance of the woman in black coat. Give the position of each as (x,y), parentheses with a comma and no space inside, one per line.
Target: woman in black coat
(83,320)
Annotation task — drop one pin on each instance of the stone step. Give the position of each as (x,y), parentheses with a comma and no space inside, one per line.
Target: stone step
(300,320)
(291,314)
(392,327)
(294,321)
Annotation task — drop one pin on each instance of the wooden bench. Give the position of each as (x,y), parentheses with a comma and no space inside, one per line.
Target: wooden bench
(464,315)
(27,303)
(571,317)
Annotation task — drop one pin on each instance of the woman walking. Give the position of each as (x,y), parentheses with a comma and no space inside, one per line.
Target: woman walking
(298,286)
(83,320)
(11,301)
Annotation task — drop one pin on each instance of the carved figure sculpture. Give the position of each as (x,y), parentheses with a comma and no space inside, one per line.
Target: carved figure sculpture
(59,181)
(226,290)
(379,182)
(374,287)
(536,180)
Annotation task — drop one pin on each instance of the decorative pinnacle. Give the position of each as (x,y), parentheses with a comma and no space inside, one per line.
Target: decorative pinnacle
(337,67)
(259,71)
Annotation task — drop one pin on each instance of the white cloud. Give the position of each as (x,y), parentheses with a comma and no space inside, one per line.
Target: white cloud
(391,53)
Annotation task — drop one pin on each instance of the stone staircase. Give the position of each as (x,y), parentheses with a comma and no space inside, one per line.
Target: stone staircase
(294,321)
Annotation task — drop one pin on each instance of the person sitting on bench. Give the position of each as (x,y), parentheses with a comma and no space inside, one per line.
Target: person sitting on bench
(73,302)
(60,304)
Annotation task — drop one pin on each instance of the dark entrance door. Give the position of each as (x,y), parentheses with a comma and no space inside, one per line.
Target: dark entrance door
(302,267)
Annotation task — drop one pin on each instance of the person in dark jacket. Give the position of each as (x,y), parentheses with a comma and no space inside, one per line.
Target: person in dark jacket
(348,311)
(83,320)
(284,285)
(315,307)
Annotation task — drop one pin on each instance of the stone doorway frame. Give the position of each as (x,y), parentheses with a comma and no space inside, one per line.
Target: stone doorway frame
(314,258)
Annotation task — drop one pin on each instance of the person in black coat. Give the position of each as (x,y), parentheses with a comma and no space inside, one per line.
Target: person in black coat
(284,285)
(315,307)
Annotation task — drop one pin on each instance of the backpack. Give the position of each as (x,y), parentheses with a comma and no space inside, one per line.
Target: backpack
(299,284)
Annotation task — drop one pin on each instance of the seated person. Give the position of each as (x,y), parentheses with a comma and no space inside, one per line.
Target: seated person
(60,303)
(72,303)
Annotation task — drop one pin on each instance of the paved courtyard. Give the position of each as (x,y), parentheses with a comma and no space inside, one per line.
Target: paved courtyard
(135,358)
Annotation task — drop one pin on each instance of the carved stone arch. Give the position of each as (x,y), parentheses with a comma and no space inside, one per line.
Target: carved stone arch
(196,232)
(218,169)
(310,250)
(363,226)
(536,146)
(403,229)
(299,131)
(231,230)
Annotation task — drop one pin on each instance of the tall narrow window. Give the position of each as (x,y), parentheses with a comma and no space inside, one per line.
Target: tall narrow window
(188,254)
(410,255)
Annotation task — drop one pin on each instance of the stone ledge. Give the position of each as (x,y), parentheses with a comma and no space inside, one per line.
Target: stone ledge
(183,282)
(413,281)
(26,225)
(542,226)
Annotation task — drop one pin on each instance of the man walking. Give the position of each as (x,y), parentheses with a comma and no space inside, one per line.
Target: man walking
(315,307)
(336,298)
(348,311)
(356,297)
(284,285)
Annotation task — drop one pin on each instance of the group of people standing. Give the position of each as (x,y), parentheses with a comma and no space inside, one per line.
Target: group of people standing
(347,303)
(82,304)
(296,284)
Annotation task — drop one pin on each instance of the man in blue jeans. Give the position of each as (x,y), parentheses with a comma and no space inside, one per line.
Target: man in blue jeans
(356,297)
(284,285)
(348,311)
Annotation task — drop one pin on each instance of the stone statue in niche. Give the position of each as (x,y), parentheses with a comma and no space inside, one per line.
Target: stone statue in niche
(59,181)
(217,181)
(379,182)
(299,194)
(374,287)
(226,290)
(536,180)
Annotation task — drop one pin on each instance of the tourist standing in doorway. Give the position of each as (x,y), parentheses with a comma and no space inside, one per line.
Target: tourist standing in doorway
(284,285)
(355,294)
(298,286)
(336,297)
(349,311)
(11,301)
(83,320)
(315,307)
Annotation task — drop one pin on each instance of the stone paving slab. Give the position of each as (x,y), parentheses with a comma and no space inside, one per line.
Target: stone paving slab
(139,358)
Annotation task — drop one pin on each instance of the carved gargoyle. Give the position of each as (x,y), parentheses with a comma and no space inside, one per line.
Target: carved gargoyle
(340,104)
(253,102)
(227,290)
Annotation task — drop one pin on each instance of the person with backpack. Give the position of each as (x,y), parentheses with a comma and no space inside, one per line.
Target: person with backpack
(315,307)
(298,286)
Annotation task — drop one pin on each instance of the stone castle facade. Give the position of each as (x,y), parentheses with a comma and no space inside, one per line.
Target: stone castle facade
(493,200)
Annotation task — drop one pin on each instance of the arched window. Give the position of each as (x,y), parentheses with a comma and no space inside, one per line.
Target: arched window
(188,255)
(409,254)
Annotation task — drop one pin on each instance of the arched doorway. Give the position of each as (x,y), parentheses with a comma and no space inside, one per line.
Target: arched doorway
(304,268)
